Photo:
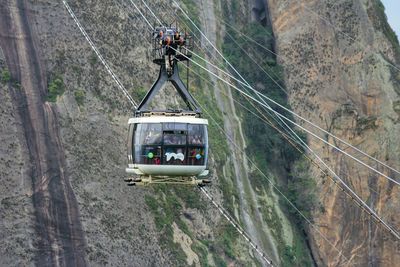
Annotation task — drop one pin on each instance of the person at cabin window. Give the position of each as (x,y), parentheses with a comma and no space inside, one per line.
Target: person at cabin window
(175,140)
(196,140)
(155,138)
(192,156)
(167,140)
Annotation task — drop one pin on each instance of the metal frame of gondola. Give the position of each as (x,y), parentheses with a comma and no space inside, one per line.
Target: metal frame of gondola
(168,56)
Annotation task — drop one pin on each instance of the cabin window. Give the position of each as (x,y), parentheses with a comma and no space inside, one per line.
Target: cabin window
(149,134)
(196,156)
(129,143)
(170,144)
(174,155)
(151,155)
(196,134)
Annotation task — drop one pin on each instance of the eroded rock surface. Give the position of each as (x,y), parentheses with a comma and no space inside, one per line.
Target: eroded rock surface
(339,71)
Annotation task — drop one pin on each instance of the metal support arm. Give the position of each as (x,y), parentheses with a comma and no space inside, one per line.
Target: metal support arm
(176,81)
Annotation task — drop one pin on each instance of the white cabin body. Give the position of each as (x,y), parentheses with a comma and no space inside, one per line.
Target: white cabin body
(172,146)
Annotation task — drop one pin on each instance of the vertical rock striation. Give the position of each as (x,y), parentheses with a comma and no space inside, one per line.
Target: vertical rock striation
(339,60)
(60,239)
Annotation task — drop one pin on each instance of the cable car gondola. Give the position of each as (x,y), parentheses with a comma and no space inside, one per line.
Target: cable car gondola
(168,146)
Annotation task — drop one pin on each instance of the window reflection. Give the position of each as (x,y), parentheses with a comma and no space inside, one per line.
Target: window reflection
(174,139)
(196,134)
(151,155)
(151,133)
(170,144)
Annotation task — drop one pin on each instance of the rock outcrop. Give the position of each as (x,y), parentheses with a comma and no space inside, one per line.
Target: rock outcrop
(63,129)
(340,70)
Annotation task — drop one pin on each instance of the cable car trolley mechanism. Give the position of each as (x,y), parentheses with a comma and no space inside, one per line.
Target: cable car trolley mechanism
(168,146)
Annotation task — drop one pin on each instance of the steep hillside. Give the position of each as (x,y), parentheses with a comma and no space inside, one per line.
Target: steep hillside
(63,201)
(70,148)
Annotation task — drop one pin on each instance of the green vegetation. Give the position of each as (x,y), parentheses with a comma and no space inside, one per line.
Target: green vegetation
(377,14)
(265,143)
(396,106)
(202,253)
(365,123)
(167,209)
(270,151)
(5,76)
(288,256)
(167,205)
(190,197)
(227,240)
(193,12)
(79,97)
(56,88)
(302,191)
(139,92)
(219,261)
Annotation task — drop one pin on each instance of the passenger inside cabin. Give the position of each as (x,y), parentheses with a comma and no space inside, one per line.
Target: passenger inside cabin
(153,135)
(167,139)
(196,140)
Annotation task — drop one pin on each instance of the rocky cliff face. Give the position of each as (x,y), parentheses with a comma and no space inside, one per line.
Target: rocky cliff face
(64,144)
(339,60)
(62,152)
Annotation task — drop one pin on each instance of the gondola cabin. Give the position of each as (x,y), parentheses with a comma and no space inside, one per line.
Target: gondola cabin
(168,146)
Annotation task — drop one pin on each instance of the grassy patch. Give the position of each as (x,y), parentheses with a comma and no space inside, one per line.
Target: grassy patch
(79,97)
(301,190)
(228,239)
(202,252)
(190,196)
(166,209)
(56,88)
(5,76)
(138,93)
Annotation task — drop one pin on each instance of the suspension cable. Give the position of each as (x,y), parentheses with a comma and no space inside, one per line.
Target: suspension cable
(394,232)
(140,12)
(316,126)
(271,100)
(270,182)
(282,116)
(335,175)
(102,60)
(151,11)
(276,79)
(236,225)
(296,146)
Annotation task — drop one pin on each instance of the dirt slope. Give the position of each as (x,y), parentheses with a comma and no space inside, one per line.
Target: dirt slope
(60,240)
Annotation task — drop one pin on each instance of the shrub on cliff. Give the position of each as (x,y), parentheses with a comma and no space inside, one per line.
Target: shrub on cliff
(56,88)
(301,190)
(5,76)
(79,97)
